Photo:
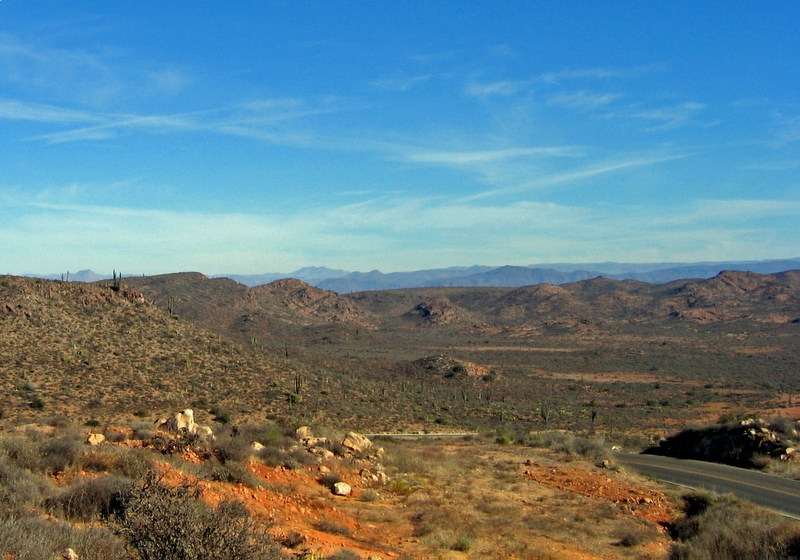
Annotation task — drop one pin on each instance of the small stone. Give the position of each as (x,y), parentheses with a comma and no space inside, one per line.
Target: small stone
(95,439)
(324,470)
(256,446)
(303,432)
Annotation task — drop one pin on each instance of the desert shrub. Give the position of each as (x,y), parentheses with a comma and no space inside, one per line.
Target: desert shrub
(783,426)
(464,544)
(344,555)
(230,471)
(228,448)
(40,454)
(269,434)
(142,431)
(115,436)
(271,456)
(91,499)
(331,527)
(562,442)
(760,461)
(370,495)
(329,479)
(631,538)
(22,452)
(58,453)
(400,487)
(721,528)
(134,464)
(20,490)
(297,458)
(293,539)
(593,449)
(37,538)
(95,461)
(222,416)
(59,422)
(164,522)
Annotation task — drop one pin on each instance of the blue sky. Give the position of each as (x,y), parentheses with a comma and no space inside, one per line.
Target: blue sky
(246,137)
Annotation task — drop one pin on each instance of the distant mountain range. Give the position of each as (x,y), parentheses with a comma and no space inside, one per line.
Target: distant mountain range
(344,282)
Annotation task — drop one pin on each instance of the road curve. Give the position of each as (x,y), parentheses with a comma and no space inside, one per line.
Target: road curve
(770,491)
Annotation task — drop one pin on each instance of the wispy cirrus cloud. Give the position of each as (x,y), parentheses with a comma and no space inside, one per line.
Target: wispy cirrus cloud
(502,88)
(38,112)
(583,101)
(399,84)
(463,158)
(98,78)
(550,179)
(599,73)
(361,236)
(255,118)
(670,117)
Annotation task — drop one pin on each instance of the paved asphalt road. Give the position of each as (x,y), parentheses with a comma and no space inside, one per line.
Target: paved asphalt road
(423,436)
(767,490)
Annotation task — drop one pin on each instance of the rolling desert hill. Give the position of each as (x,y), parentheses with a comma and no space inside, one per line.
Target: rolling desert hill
(647,353)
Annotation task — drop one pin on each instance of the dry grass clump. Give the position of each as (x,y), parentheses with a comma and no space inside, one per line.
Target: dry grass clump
(565,442)
(721,527)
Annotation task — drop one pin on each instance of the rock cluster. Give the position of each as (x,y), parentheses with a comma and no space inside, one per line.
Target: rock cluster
(183,421)
(437,311)
(355,445)
(449,367)
(316,445)
(740,444)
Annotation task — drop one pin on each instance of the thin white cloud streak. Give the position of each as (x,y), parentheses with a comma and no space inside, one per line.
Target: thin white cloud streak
(399,84)
(501,88)
(256,119)
(553,179)
(598,73)
(457,158)
(583,101)
(37,112)
(671,117)
(91,78)
(375,233)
